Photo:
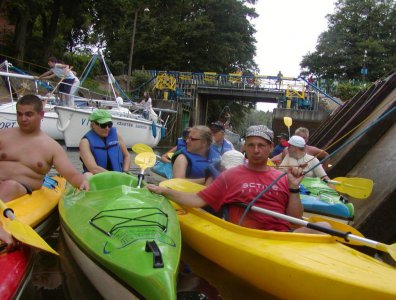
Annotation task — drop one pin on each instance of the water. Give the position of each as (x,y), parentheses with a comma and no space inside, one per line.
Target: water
(60,278)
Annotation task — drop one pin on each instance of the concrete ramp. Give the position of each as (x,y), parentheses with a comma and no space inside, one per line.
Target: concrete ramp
(372,115)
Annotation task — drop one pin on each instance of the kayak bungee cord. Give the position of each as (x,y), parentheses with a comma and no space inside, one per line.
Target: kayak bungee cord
(248,207)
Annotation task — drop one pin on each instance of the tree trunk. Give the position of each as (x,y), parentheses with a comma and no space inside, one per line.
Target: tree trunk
(21,36)
(51,31)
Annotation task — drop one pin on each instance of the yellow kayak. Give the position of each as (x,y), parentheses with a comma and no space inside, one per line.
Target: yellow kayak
(39,211)
(34,209)
(288,265)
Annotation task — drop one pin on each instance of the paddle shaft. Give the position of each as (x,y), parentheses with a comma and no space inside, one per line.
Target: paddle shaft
(345,235)
(140,179)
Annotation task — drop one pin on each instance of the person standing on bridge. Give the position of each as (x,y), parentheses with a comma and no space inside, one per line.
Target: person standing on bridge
(279,79)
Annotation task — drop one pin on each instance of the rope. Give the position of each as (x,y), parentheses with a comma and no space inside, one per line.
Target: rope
(313,167)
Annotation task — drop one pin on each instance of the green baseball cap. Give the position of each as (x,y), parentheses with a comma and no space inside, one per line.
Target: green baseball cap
(100,116)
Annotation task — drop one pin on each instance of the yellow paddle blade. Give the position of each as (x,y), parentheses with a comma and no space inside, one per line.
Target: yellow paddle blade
(337,226)
(288,121)
(359,188)
(25,234)
(390,249)
(183,185)
(145,160)
(270,163)
(140,148)
(170,154)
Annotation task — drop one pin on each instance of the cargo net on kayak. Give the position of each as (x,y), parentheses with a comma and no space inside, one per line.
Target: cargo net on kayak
(128,225)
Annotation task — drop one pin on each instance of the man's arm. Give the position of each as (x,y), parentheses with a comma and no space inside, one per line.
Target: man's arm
(63,165)
(45,74)
(294,207)
(88,158)
(182,198)
(124,150)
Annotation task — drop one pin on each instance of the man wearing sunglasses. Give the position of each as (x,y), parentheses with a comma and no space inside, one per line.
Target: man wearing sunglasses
(102,148)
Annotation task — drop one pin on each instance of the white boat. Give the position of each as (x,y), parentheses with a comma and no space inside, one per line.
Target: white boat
(74,124)
(48,124)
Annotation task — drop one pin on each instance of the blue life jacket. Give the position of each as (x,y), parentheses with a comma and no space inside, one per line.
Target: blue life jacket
(225,146)
(197,164)
(104,150)
(180,144)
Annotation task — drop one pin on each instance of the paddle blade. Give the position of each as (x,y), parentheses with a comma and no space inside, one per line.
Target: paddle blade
(390,249)
(145,160)
(183,185)
(359,188)
(288,121)
(25,234)
(338,226)
(140,148)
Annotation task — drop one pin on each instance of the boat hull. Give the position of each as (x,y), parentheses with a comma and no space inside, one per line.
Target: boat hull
(39,211)
(288,265)
(48,124)
(74,124)
(113,256)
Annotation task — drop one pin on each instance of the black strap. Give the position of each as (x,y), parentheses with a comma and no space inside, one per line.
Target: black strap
(151,246)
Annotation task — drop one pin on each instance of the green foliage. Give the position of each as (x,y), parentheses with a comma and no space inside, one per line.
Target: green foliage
(346,90)
(256,117)
(361,34)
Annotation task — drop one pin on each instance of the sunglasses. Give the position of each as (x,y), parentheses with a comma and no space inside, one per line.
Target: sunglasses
(192,139)
(104,125)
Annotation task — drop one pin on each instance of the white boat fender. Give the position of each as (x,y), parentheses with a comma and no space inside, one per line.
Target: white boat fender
(154,129)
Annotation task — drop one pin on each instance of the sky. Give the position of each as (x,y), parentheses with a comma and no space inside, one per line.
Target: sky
(286,31)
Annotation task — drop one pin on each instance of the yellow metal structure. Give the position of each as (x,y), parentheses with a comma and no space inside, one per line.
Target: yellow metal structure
(294,93)
(288,265)
(210,77)
(165,82)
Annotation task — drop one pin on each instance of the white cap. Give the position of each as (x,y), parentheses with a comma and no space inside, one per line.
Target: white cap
(297,141)
(232,158)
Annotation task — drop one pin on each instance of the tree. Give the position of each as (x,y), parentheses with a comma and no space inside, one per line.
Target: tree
(361,34)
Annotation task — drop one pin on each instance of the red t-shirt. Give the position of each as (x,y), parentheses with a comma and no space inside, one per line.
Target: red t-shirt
(241,184)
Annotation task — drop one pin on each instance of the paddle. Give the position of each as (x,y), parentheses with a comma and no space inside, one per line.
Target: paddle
(23,232)
(288,122)
(144,160)
(140,148)
(346,236)
(342,232)
(359,188)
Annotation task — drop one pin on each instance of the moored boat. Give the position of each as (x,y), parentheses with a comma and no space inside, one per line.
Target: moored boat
(125,239)
(134,129)
(39,211)
(288,265)
(48,123)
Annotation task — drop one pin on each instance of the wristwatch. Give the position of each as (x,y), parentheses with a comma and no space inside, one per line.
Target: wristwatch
(294,191)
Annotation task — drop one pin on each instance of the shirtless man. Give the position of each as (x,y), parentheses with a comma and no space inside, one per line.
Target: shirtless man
(27,154)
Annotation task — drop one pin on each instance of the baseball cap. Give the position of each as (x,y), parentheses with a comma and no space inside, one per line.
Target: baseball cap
(282,135)
(297,141)
(261,131)
(232,158)
(100,116)
(217,126)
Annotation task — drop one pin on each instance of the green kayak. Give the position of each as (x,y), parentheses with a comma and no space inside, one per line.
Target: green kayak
(126,240)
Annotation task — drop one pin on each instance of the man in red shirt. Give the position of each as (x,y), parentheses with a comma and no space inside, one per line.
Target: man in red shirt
(245,182)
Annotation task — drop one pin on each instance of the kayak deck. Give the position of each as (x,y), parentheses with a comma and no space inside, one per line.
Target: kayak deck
(288,265)
(121,228)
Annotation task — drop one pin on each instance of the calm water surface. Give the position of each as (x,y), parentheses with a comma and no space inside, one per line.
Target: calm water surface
(60,278)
